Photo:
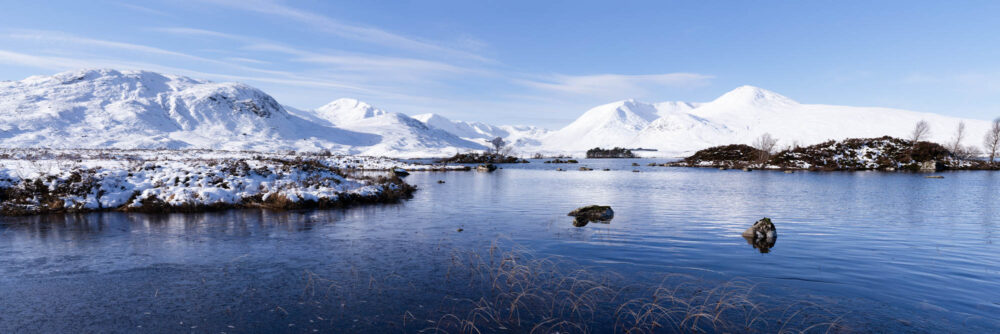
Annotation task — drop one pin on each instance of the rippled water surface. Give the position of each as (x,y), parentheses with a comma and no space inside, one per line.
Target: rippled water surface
(885,251)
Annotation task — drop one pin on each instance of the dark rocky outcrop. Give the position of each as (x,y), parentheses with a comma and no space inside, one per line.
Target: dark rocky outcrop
(762,235)
(592,213)
(883,153)
(616,152)
(482,158)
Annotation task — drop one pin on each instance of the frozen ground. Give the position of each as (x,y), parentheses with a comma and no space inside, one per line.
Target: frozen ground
(38,180)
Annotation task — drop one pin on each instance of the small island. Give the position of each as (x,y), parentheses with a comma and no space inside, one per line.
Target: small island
(883,153)
(614,153)
(498,153)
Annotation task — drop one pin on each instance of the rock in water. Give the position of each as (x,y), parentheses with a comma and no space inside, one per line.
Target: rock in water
(599,213)
(762,235)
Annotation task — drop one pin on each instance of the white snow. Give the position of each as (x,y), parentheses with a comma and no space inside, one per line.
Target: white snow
(521,136)
(138,109)
(739,117)
(124,178)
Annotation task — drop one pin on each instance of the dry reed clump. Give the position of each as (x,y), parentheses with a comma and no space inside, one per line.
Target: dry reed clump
(511,291)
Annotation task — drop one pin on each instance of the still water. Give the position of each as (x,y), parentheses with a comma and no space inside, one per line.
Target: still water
(878,251)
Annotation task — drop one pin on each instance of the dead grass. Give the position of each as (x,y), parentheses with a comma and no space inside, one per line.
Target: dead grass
(508,290)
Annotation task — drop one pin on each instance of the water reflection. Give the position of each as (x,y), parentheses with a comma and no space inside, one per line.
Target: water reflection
(583,221)
(764,245)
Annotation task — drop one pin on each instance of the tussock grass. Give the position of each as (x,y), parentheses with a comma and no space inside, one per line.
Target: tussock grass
(509,290)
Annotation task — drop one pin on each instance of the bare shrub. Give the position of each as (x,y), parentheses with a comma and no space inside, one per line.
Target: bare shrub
(991,142)
(765,145)
(920,132)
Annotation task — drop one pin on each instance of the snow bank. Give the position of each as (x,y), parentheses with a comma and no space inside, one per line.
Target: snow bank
(36,181)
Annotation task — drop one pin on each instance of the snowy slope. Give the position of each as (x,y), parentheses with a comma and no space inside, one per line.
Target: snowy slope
(613,124)
(520,136)
(401,135)
(138,109)
(344,111)
(740,116)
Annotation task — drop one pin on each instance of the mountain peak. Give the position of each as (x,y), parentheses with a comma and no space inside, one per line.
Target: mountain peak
(114,76)
(750,95)
(348,110)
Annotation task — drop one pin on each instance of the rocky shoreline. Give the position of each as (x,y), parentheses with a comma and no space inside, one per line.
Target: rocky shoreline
(39,181)
(883,154)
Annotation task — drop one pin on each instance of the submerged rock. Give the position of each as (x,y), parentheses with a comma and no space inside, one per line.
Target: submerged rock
(590,213)
(762,235)
(440,181)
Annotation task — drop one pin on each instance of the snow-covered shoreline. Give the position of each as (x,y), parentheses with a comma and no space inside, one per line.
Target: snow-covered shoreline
(36,181)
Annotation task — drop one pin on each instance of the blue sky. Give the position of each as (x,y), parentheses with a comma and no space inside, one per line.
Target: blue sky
(531,62)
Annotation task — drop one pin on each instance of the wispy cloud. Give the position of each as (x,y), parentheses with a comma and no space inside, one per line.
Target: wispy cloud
(615,85)
(335,59)
(61,63)
(202,32)
(341,29)
(974,81)
(247,60)
(142,9)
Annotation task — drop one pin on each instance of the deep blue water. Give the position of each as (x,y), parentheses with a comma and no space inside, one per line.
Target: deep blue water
(883,251)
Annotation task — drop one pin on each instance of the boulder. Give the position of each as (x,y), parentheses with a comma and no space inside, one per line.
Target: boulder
(762,235)
(586,214)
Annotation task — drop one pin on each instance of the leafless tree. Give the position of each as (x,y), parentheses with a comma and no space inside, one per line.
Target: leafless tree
(498,145)
(992,140)
(920,132)
(765,144)
(956,142)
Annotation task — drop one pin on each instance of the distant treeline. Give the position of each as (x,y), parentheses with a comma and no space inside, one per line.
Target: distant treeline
(617,152)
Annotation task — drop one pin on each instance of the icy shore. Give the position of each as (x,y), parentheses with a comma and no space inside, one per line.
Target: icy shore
(36,181)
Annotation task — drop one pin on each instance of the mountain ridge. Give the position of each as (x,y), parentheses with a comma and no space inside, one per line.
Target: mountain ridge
(98,108)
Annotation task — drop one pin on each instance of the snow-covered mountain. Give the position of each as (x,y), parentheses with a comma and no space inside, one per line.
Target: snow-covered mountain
(521,136)
(740,116)
(401,135)
(140,109)
(106,108)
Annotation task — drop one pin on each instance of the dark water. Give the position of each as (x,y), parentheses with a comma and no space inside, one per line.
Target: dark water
(881,251)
